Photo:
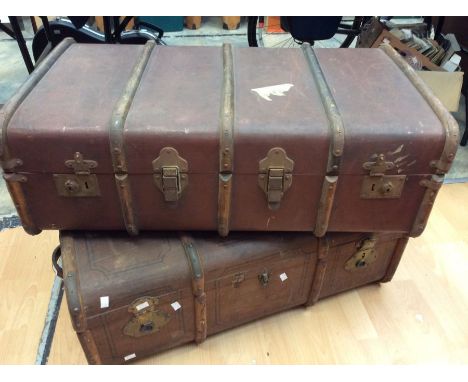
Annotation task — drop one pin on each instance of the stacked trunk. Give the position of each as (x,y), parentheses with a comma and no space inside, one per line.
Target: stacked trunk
(298,141)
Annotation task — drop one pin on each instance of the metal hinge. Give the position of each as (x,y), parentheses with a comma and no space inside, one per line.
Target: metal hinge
(170,174)
(80,184)
(365,255)
(275,176)
(13,177)
(377,185)
(11,164)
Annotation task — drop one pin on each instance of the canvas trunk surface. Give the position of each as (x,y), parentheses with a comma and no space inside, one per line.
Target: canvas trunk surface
(199,138)
(132,297)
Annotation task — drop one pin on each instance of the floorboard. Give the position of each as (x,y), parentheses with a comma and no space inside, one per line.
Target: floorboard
(420,317)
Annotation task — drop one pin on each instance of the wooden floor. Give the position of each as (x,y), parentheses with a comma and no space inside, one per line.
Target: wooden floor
(26,279)
(420,317)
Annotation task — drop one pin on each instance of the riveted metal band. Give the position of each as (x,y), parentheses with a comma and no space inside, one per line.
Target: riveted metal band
(226,143)
(395,260)
(336,128)
(119,161)
(198,287)
(323,247)
(15,181)
(442,165)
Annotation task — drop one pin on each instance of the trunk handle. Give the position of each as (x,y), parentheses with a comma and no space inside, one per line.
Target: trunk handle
(56,255)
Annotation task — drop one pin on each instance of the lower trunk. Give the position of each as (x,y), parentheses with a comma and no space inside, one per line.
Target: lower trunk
(130,298)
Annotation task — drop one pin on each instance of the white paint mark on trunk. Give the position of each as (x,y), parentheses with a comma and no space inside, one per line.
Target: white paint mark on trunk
(275,90)
(398,150)
(401,158)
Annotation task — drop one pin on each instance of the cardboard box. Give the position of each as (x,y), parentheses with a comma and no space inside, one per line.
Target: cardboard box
(446,86)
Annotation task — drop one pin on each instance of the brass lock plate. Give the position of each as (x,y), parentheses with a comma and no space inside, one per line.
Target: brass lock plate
(73,185)
(378,185)
(365,255)
(170,174)
(275,176)
(147,318)
(382,187)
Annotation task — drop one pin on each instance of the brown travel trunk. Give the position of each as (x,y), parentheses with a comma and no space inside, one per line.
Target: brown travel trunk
(115,137)
(132,297)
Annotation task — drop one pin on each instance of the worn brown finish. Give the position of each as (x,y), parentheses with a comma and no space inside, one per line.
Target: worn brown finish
(164,290)
(338,115)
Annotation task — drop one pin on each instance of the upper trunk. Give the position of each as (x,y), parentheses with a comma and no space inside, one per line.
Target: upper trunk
(206,138)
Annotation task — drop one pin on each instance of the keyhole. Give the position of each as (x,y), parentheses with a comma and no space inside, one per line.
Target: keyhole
(86,185)
(148,327)
(373,187)
(71,186)
(360,263)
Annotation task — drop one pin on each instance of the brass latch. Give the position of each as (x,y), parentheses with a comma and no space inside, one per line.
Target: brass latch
(264,278)
(275,176)
(363,257)
(170,183)
(377,185)
(80,184)
(147,319)
(170,174)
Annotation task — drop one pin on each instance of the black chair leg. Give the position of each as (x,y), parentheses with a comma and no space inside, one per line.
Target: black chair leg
(464,139)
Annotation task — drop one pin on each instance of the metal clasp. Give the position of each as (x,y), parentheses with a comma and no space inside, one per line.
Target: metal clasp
(170,174)
(378,185)
(275,176)
(171,183)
